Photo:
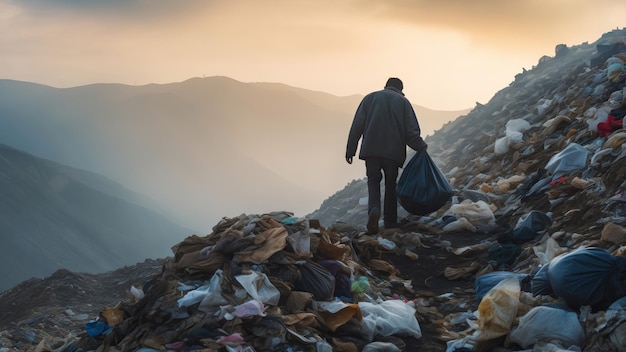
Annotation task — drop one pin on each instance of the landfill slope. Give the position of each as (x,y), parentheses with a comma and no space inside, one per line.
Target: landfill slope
(499,159)
(559,98)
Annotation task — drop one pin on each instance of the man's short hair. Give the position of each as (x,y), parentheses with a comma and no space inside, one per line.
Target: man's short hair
(395,83)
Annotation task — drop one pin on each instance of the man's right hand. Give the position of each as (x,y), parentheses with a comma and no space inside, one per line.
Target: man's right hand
(422,146)
(349,159)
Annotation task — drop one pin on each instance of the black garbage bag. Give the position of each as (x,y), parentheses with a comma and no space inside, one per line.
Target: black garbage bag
(588,277)
(422,188)
(527,228)
(316,279)
(504,253)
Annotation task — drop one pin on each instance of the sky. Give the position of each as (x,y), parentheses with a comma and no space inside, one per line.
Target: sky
(449,53)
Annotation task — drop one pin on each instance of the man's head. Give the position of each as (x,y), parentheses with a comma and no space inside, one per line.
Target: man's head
(395,83)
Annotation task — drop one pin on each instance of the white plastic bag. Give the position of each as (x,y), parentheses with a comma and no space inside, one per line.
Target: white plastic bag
(501,146)
(207,295)
(477,213)
(570,159)
(392,317)
(137,293)
(548,324)
(259,287)
(600,115)
(517,125)
(459,225)
(547,249)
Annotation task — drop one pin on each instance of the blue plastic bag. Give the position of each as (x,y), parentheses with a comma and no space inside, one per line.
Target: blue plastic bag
(97,327)
(588,277)
(486,282)
(422,188)
(540,282)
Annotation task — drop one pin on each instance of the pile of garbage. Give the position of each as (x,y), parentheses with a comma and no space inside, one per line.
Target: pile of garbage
(550,166)
(270,282)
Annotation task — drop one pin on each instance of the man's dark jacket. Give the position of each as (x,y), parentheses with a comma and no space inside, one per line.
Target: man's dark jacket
(386,121)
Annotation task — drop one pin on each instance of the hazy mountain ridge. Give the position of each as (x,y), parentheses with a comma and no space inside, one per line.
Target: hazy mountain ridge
(57,217)
(203,148)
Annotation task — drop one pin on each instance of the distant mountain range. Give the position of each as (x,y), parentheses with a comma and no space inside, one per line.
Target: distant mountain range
(202,149)
(54,216)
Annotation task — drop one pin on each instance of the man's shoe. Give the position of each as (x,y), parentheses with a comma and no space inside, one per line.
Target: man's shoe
(392,226)
(372,221)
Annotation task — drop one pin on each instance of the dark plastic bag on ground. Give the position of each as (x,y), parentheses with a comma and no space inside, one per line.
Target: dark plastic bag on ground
(527,228)
(540,283)
(504,253)
(588,277)
(422,188)
(316,279)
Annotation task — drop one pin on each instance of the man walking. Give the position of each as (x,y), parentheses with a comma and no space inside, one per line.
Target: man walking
(386,122)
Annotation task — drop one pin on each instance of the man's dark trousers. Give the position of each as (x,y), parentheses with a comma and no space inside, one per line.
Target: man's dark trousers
(375,167)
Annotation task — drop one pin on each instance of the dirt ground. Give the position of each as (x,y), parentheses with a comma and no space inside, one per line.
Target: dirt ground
(429,282)
(58,306)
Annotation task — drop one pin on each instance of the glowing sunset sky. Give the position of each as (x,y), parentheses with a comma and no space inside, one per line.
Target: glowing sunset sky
(449,53)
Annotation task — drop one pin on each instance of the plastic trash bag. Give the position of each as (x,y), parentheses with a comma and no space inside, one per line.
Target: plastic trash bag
(316,279)
(477,213)
(547,250)
(486,282)
(548,324)
(248,309)
(601,115)
(513,135)
(207,295)
(392,317)
(615,313)
(501,146)
(527,228)
(422,187)
(460,225)
(97,327)
(517,125)
(571,159)
(540,283)
(497,310)
(342,274)
(136,293)
(588,277)
(259,287)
